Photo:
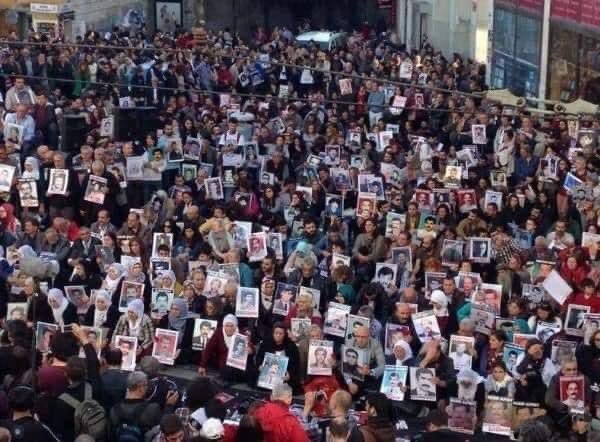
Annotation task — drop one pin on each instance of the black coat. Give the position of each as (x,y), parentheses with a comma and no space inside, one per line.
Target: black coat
(112,317)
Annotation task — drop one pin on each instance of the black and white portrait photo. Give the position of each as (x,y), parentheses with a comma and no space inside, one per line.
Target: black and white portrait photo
(480,249)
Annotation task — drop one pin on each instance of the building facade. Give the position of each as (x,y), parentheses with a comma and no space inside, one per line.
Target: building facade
(547,48)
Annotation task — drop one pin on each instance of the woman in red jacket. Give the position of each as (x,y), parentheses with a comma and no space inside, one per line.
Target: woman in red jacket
(573,268)
(217,349)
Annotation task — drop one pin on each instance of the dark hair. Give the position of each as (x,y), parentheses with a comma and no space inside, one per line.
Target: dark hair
(249,430)
(499,334)
(113,356)
(381,403)
(170,424)
(75,369)
(199,392)
(215,408)
(21,398)
(63,346)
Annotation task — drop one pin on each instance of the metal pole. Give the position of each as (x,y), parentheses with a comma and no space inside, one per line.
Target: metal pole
(544,51)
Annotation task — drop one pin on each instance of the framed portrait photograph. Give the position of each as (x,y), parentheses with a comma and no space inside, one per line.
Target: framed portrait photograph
(272,370)
(96,189)
(300,327)
(334,205)
(275,243)
(462,416)
(214,188)
(28,193)
(203,331)
(214,285)
(129,291)
(480,249)
(386,274)
(314,294)
(497,418)
(161,302)
(498,178)
(336,319)
(246,305)
(494,197)
(353,323)
(393,334)
(7,174)
(572,392)
(478,134)
(135,168)
(467,200)
(452,252)
(354,360)
(461,351)
(58,182)
(162,242)
(575,319)
(257,246)
(285,297)
(402,257)
(16,311)
(366,205)
(426,326)
(393,382)
(78,297)
(165,346)
(320,356)
(484,319)
(13,133)
(237,356)
(43,335)
(422,387)
(128,346)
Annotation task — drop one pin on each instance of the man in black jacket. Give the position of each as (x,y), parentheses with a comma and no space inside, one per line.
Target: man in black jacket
(23,426)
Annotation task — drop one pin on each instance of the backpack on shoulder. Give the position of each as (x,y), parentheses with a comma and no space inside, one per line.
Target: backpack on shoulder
(129,430)
(89,416)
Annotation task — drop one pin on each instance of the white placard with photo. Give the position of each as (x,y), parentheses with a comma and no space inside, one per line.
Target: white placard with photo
(237,356)
(165,346)
(128,346)
(272,370)
(336,319)
(320,356)
(246,305)
(422,387)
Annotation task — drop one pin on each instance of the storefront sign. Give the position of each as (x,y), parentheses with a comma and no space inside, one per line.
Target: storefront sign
(44,8)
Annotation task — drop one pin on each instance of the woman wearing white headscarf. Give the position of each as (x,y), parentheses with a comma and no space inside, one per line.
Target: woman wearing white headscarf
(31,169)
(102,313)
(135,323)
(114,275)
(217,349)
(447,323)
(63,312)
(402,354)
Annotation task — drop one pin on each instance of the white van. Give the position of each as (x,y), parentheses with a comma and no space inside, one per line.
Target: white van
(325,39)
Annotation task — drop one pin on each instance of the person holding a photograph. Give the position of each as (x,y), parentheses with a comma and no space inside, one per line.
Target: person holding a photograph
(22,118)
(136,324)
(217,349)
(375,359)
(63,312)
(278,342)
(102,313)
(432,356)
(575,394)
(181,320)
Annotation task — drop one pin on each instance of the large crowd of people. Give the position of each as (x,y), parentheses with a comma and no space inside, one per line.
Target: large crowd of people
(356,234)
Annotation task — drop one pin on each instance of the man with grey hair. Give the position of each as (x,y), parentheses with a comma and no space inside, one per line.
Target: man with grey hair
(277,420)
(161,390)
(134,410)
